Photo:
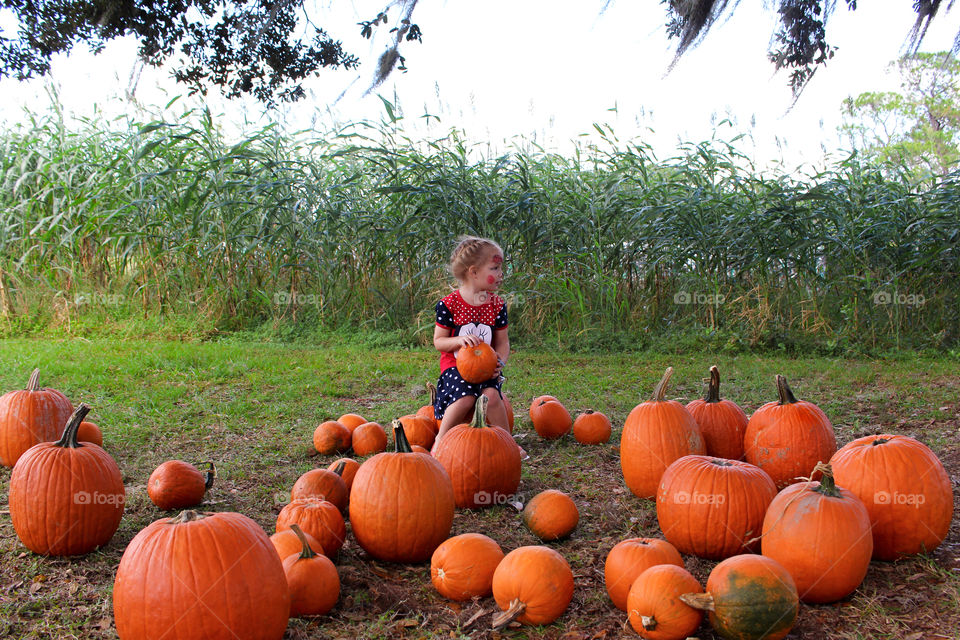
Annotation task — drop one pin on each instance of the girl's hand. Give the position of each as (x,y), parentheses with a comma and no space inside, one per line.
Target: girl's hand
(469,340)
(499,372)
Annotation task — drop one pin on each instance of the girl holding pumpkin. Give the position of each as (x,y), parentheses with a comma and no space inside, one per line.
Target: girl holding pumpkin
(472,314)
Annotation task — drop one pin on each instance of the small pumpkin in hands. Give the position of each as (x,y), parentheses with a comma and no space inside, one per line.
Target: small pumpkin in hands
(312,578)
(551,515)
(592,427)
(176,484)
(478,363)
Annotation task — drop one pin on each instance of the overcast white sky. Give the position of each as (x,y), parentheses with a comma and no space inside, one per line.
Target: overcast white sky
(501,69)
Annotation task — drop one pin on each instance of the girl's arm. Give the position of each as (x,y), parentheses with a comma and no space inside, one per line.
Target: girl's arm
(501,344)
(443,341)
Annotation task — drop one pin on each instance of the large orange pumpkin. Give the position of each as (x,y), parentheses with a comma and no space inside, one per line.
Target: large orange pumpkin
(201,575)
(712,507)
(722,422)
(66,497)
(654,607)
(477,364)
(787,438)
(550,418)
(462,566)
(30,416)
(533,585)
(175,484)
(629,558)
(656,433)
(551,515)
(905,489)
(401,505)
(820,533)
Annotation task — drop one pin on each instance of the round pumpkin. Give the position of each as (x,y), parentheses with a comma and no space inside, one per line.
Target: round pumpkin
(418,430)
(287,542)
(209,575)
(629,558)
(722,422)
(820,533)
(787,438)
(175,484)
(415,448)
(427,411)
(462,566)
(351,421)
(319,518)
(713,507)
(349,470)
(323,484)
(66,497)
(551,515)
(478,363)
(532,585)
(401,506)
(483,462)
(905,489)
(331,437)
(592,427)
(312,579)
(550,418)
(369,438)
(656,433)
(749,597)
(30,416)
(654,608)
(90,432)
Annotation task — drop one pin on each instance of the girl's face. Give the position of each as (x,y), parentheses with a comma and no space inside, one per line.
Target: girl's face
(488,275)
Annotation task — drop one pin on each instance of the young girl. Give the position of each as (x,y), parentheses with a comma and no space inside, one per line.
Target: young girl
(470,315)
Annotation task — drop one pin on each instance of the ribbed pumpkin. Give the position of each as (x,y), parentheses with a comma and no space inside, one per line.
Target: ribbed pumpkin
(323,484)
(331,437)
(351,421)
(369,438)
(533,585)
(462,566)
(656,433)
(348,472)
(90,432)
(654,608)
(201,575)
(787,438)
(483,462)
(287,542)
(905,489)
(30,416)
(312,579)
(712,507)
(477,364)
(820,533)
(401,506)
(722,422)
(319,518)
(66,497)
(592,427)
(419,430)
(551,515)
(550,418)
(629,558)
(175,484)
(749,597)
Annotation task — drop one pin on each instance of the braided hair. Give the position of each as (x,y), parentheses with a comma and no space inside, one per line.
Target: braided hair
(470,251)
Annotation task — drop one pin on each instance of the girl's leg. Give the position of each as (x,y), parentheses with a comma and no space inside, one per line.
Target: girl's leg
(496,410)
(456,414)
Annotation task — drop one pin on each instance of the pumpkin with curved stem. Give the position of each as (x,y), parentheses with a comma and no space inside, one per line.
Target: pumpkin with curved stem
(349,470)
(209,575)
(533,585)
(654,608)
(592,427)
(401,506)
(319,518)
(287,542)
(30,416)
(323,484)
(369,438)
(713,507)
(551,515)
(722,422)
(905,489)
(550,418)
(749,597)
(66,497)
(178,485)
(312,579)
(351,421)
(820,533)
(427,411)
(462,566)
(90,432)
(418,430)
(629,558)
(656,433)
(789,437)
(331,437)
(478,363)
(483,462)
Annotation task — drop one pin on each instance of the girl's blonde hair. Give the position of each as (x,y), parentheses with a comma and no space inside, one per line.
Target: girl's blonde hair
(470,251)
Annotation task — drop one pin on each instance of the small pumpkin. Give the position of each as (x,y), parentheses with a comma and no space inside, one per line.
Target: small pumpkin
(351,421)
(419,430)
(787,438)
(319,518)
(551,515)
(312,579)
(592,427)
(722,422)
(287,542)
(369,438)
(532,585)
(323,484)
(628,559)
(90,432)
(348,472)
(654,607)
(30,416)
(550,418)
(478,363)
(427,411)
(462,566)
(175,484)
(331,437)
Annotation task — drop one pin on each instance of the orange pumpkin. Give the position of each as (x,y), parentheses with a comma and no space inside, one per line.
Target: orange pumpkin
(477,364)
(90,432)
(905,489)
(331,437)
(29,417)
(319,518)
(712,507)
(551,515)
(722,422)
(351,421)
(654,608)
(66,497)
(323,484)
(175,484)
(533,585)
(312,579)
(462,566)
(350,467)
(415,448)
(287,542)
(789,437)
(629,558)
(550,418)
(426,411)
(592,427)
(656,433)
(369,438)
(419,430)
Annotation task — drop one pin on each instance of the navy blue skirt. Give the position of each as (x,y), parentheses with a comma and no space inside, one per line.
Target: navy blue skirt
(451,387)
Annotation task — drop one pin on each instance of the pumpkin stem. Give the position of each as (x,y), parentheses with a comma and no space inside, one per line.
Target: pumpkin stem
(33,384)
(480,415)
(307,552)
(187,516)
(433,393)
(400,438)
(69,437)
(504,618)
(649,622)
(340,467)
(713,389)
(661,389)
(211,473)
(700,601)
(828,485)
(879,441)
(783,390)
